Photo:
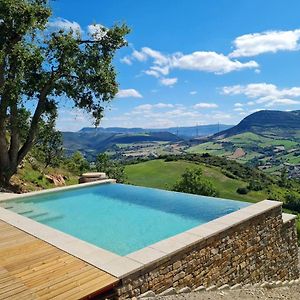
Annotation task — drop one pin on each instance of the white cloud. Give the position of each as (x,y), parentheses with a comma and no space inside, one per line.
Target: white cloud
(65,24)
(205,105)
(210,62)
(154,115)
(238,109)
(204,61)
(264,93)
(193,92)
(238,104)
(126,60)
(163,105)
(143,107)
(128,93)
(158,57)
(97,31)
(282,102)
(152,73)
(168,81)
(140,56)
(270,41)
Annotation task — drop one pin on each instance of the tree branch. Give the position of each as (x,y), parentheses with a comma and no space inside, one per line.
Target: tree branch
(40,109)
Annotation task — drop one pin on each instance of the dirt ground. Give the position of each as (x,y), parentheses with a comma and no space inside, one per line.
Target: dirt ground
(288,293)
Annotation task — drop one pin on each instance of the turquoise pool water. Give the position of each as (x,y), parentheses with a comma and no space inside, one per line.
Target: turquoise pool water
(122,218)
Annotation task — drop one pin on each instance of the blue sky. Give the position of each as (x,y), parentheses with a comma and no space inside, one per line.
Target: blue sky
(194,62)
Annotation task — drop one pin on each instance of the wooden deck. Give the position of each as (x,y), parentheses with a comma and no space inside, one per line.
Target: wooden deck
(33,269)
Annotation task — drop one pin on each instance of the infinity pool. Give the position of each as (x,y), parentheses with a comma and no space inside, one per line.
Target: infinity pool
(122,218)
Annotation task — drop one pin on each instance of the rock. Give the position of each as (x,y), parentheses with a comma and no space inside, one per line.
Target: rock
(57,180)
(200,288)
(236,286)
(168,292)
(148,294)
(292,282)
(265,285)
(278,283)
(211,288)
(223,287)
(184,290)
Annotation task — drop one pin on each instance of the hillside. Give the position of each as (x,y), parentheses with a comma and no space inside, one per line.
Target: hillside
(91,142)
(267,139)
(133,142)
(268,123)
(150,174)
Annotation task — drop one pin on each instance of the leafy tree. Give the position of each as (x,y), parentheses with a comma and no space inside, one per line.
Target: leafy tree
(50,144)
(112,168)
(255,185)
(193,182)
(36,66)
(78,164)
(284,181)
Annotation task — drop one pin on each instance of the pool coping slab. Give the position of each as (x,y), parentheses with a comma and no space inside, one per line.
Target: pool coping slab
(12,196)
(122,266)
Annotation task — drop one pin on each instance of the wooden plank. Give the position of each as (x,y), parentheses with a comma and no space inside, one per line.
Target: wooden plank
(33,269)
(86,289)
(67,285)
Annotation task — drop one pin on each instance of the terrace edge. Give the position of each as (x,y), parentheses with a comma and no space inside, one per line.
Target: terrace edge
(256,243)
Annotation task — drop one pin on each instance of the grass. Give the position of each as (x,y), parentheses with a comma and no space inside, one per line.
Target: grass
(163,175)
(156,173)
(34,179)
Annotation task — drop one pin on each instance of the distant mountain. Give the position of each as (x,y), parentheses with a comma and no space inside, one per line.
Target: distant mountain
(267,122)
(185,132)
(90,142)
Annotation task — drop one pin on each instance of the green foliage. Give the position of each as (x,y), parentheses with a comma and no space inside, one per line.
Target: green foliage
(77,163)
(242,190)
(292,201)
(39,65)
(49,144)
(230,167)
(255,185)
(150,174)
(112,168)
(283,181)
(193,182)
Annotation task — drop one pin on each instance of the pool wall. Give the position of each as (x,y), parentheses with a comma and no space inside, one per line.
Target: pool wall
(255,244)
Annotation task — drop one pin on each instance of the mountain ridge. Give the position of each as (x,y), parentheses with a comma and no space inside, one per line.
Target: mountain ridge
(264,122)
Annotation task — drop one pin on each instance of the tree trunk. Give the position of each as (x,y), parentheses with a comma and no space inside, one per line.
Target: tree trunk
(6,173)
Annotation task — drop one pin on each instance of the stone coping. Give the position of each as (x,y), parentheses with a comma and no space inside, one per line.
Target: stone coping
(93,174)
(8,196)
(122,266)
(288,217)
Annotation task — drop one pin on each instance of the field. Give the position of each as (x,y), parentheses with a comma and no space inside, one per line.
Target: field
(163,175)
(255,147)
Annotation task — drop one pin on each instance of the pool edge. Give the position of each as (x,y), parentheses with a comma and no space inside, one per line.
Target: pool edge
(122,266)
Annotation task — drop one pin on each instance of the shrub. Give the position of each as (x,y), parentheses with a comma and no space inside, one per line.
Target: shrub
(292,202)
(242,190)
(193,182)
(112,168)
(255,185)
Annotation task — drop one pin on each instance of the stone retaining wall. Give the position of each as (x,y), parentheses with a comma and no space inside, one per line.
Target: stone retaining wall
(261,248)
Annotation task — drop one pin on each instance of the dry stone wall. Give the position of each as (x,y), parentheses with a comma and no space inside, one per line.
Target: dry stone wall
(262,248)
